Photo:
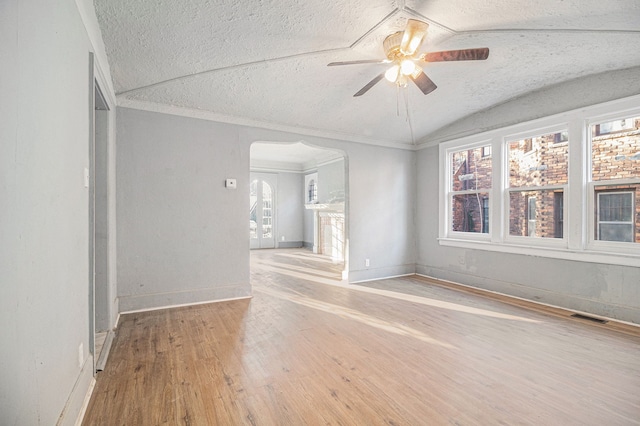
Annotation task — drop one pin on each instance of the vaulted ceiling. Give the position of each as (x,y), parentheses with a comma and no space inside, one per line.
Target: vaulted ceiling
(264,63)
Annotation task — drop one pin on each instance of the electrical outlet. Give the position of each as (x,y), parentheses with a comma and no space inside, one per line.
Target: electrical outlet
(282,238)
(366,263)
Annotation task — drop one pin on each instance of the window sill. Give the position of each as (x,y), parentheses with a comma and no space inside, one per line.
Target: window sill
(591,256)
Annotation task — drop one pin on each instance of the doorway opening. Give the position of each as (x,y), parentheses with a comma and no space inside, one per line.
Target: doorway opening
(100,213)
(298,200)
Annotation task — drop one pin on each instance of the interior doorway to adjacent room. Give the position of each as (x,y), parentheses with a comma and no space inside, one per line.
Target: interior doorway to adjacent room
(299,199)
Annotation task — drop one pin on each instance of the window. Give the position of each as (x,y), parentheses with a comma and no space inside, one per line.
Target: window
(469,190)
(531,216)
(566,186)
(312,192)
(615,216)
(558,214)
(561,137)
(614,126)
(615,177)
(538,170)
(485,215)
(267,211)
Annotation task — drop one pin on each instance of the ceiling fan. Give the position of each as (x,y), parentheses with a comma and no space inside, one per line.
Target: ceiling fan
(401,51)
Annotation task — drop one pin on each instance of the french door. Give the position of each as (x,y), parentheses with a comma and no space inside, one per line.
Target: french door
(262,192)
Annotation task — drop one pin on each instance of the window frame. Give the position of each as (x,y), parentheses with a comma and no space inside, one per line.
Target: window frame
(507,190)
(450,193)
(578,239)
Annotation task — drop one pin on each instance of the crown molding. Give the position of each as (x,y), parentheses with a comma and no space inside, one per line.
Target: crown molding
(242,121)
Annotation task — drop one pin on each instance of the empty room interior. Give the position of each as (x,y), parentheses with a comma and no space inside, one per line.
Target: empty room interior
(285,212)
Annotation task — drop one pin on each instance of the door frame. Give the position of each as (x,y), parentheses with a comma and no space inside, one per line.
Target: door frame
(102,100)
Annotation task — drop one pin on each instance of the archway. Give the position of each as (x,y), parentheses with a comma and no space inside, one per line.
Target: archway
(310,200)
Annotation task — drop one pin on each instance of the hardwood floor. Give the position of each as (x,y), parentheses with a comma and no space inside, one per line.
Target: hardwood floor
(308,350)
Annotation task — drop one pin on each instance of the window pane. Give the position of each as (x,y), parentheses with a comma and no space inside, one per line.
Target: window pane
(617,213)
(470,169)
(267,203)
(616,232)
(470,213)
(312,195)
(539,161)
(536,214)
(615,149)
(253,201)
(615,207)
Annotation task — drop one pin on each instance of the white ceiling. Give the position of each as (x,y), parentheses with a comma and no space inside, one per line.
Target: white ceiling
(263,63)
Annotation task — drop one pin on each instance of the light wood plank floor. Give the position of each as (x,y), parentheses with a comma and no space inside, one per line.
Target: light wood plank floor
(307,350)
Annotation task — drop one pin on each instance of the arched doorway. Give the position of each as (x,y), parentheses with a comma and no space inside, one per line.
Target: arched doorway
(308,204)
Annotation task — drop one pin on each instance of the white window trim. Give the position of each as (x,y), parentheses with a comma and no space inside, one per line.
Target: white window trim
(446,182)
(578,242)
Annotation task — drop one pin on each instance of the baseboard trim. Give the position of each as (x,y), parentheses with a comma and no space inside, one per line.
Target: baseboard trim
(181,305)
(104,353)
(613,323)
(290,244)
(374,274)
(162,300)
(383,278)
(79,397)
(85,403)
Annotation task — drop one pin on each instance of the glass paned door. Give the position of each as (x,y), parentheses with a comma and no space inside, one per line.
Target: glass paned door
(262,211)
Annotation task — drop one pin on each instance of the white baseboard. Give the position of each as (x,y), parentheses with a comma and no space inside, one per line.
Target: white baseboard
(85,403)
(204,302)
(80,395)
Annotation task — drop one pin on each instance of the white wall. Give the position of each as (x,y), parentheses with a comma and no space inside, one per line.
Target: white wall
(597,288)
(44,290)
(182,236)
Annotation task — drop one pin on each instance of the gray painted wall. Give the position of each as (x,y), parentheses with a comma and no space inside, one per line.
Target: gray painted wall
(182,236)
(44,282)
(574,94)
(331,184)
(331,180)
(601,289)
(290,205)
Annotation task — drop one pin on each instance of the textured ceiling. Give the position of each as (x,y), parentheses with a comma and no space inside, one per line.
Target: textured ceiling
(264,62)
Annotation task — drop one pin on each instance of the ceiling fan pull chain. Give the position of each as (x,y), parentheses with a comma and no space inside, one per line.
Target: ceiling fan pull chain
(397,100)
(406,101)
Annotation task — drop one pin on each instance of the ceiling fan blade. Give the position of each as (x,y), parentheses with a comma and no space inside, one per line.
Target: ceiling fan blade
(413,35)
(364,61)
(424,83)
(457,55)
(369,85)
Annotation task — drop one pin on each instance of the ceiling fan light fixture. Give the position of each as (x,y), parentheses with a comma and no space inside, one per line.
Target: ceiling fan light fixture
(392,73)
(407,66)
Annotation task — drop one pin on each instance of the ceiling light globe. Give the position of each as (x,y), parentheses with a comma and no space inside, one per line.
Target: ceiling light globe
(407,67)
(392,73)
